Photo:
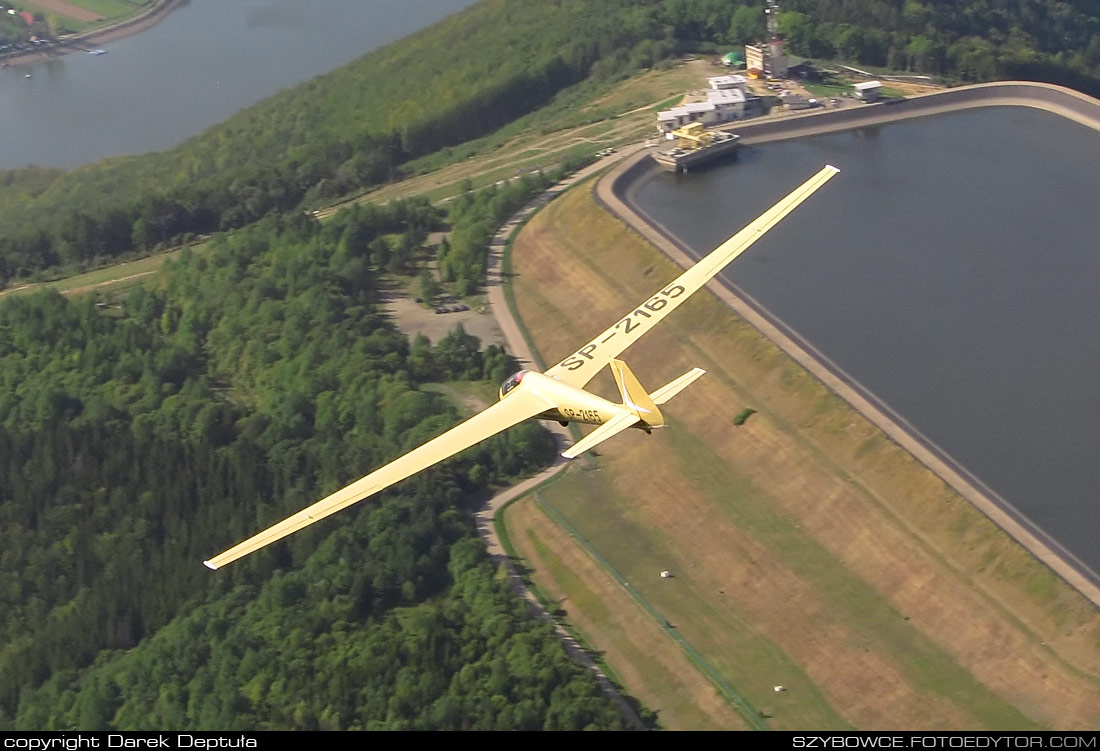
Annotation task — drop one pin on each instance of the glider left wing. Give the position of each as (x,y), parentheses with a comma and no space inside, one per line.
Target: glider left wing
(502,415)
(583,365)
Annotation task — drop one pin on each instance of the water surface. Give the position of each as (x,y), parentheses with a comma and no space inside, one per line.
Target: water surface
(952,269)
(201,64)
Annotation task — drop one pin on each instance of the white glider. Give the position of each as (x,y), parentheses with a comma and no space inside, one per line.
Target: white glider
(558,393)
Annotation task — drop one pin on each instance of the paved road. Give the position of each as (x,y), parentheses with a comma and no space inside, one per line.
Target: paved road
(518,347)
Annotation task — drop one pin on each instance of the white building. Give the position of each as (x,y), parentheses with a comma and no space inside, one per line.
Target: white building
(868,91)
(722,106)
(723,83)
(729,104)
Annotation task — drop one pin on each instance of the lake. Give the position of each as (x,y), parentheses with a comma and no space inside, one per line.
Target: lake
(952,269)
(201,64)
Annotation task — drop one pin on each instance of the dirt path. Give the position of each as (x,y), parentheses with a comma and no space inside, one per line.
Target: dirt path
(517,346)
(79,290)
(109,282)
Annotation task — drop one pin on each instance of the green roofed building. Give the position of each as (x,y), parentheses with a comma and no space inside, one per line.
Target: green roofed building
(733,59)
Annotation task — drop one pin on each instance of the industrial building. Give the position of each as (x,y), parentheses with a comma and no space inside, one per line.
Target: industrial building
(796,102)
(767,59)
(695,146)
(725,102)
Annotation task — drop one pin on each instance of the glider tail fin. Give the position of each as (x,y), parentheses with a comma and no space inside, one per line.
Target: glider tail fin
(642,406)
(636,398)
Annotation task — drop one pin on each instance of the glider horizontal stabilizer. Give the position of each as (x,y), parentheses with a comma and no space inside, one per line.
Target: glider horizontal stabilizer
(601,434)
(672,388)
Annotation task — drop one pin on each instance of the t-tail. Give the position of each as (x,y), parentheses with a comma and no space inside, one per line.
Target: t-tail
(641,406)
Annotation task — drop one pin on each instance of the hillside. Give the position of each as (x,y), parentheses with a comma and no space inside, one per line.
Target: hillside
(467,77)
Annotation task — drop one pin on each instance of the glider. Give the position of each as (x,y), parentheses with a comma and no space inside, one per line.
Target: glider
(558,394)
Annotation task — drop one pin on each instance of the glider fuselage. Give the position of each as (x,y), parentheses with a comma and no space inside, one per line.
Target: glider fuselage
(571,403)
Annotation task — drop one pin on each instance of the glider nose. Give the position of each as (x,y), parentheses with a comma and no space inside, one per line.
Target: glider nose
(510,383)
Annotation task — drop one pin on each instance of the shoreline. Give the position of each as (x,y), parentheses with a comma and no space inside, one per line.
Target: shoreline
(616,189)
(74,43)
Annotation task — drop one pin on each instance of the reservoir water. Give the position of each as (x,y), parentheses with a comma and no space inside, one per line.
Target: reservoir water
(202,63)
(953,270)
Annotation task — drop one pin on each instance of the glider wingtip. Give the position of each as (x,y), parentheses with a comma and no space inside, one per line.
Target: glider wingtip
(210,565)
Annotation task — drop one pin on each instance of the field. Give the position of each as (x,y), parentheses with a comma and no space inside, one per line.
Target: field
(81,14)
(108,279)
(634,643)
(808,551)
(572,126)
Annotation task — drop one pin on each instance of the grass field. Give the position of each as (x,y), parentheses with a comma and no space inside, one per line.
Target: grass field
(81,15)
(114,9)
(808,550)
(108,279)
(633,644)
(571,127)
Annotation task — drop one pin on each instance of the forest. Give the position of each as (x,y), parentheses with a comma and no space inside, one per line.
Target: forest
(469,75)
(141,433)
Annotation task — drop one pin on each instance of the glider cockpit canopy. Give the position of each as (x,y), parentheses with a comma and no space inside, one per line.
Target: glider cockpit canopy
(511,382)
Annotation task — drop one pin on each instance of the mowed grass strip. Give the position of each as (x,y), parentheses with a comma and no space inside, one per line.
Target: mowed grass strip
(80,15)
(622,115)
(895,603)
(107,279)
(113,9)
(645,662)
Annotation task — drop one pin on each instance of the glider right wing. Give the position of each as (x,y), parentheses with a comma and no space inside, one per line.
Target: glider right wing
(583,365)
(498,417)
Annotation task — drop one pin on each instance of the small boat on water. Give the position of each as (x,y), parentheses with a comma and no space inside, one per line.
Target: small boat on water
(97,51)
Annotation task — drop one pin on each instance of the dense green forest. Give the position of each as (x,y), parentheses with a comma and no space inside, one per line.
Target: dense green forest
(139,436)
(470,75)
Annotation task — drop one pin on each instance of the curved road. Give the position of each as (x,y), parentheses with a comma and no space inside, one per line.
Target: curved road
(518,347)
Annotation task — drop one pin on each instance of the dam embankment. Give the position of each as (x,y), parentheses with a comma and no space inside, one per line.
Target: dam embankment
(618,189)
(1056,99)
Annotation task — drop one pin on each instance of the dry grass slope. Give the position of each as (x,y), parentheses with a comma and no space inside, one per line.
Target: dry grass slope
(660,676)
(810,550)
